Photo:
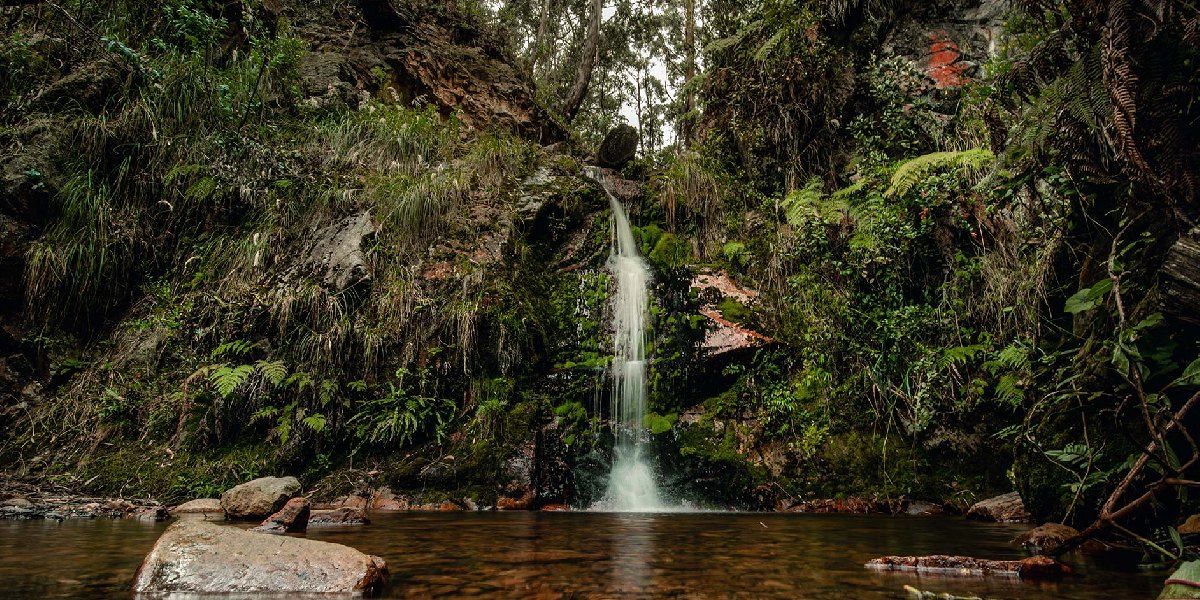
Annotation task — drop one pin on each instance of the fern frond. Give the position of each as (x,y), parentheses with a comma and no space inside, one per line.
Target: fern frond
(234,348)
(226,379)
(910,173)
(273,371)
(765,50)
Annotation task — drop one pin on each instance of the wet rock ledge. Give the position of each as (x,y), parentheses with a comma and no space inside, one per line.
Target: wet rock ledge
(25,501)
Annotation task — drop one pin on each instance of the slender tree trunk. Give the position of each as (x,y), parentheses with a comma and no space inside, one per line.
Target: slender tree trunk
(640,117)
(541,44)
(689,72)
(583,75)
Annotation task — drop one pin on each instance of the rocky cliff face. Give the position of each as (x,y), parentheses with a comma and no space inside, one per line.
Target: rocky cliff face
(425,53)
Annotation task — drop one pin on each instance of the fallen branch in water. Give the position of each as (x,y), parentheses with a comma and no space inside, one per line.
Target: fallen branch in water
(1035,567)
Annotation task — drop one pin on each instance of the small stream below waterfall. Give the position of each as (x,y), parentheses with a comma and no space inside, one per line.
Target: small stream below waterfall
(589,555)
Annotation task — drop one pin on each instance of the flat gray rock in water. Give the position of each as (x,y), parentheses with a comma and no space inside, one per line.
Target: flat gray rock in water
(200,557)
(199,505)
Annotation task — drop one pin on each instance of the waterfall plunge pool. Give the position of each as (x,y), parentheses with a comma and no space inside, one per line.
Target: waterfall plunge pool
(590,555)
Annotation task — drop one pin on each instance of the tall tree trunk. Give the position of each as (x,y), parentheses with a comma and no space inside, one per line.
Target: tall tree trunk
(689,72)
(541,44)
(583,75)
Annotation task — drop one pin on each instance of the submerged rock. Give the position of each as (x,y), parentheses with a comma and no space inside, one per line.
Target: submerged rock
(1036,567)
(345,515)
(200,557)
(921,508)
(1046,537)
(1005,508)
(259,498)
(292,518)
(618,147)
(151,514)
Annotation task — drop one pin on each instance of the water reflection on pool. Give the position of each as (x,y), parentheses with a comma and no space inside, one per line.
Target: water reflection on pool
(589,555)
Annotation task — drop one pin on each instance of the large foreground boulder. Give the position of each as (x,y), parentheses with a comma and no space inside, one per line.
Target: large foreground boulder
(1005,508)
(259,498)
(201,557)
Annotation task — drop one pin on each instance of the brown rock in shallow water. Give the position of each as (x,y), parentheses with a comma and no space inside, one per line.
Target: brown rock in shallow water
(292,518)
(259,498)
(200,557)
(1036,567)
(151,514)
(342,516)
(920,508)
(1005,508)
(1046,537)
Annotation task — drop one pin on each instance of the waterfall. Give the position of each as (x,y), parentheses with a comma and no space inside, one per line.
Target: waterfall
(631,483)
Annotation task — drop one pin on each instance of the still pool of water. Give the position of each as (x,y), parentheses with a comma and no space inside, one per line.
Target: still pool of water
(588,555)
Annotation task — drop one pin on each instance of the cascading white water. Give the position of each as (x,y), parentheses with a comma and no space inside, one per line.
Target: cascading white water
(631,483)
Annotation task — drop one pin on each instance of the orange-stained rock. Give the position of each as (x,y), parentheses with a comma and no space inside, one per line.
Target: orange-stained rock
(944,66)
(448,506)
(725,336)
(522,502)
(292,518)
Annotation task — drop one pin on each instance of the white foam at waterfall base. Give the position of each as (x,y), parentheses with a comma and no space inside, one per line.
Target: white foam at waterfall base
(632,484)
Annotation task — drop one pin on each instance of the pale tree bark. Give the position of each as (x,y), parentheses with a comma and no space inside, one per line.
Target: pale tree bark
(587,62)
(689,72)
(541,44)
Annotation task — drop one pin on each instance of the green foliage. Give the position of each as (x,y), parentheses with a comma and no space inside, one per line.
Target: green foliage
(901,121)
(1088,298)
(659,424)
(402,416)
(810,201)
(968,162)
